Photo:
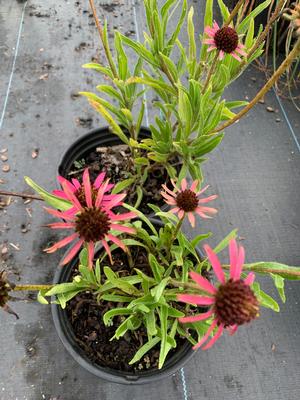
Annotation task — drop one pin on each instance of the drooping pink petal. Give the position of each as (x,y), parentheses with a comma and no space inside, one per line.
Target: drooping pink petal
(170,199)
(202,190)
(183,184)
(250,279)
(206,336)
(216,26)
(203,282)
(87,188)
(202,215)
(91,253)
(100,193)
(191,219)
(60,193)
(175,185)
(208,210)
(221,55)
(123,217)
(196,318)
(99,180)
(209,31)
(233,255)
(214,338)
(59,214)
(62,243)
(117,241)
(72,253)
(211,48)
(232,329)
(107,249)
(234,55)
(239,263)
(117,199)
(240,50)
(169,191)
(122,228)
(180,214)
(62,225)
(174,210)
(215,263)
(65,181)
(196,299)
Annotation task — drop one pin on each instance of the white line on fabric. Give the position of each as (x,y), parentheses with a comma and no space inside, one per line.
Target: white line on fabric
(138,39)
(185,394)
(13,67)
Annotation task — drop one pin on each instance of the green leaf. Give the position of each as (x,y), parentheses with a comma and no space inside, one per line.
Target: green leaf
(122,185)
(224,10)
(154,83)
(236,104)
(157,269)
(191,34)
(53,201)
(242,28)
(142,217)
(144,350)
(267,268)
(150,320)
(163,316)
(110,91)
(264,299)
(97,67)
(225,242)
(109,315)
(157,291)
(199,238)
(117,298)
(279,283)
(140,50)
(62,288)
(40,297)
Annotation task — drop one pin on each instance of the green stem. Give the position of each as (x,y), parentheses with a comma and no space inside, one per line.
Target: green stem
(234,12)
(285,64)
(32,288)
(258,267)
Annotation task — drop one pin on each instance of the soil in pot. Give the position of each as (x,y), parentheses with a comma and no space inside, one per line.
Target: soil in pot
(93,337)
(116,160)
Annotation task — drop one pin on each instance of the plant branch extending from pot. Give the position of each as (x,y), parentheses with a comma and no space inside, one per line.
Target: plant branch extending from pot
(22,195)
(104,41)
(285,64)
(31,288)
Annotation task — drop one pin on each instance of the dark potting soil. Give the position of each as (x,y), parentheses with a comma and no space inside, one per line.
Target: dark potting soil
(117,163)
(85,315)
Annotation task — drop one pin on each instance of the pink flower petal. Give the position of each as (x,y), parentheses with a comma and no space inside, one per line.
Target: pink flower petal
(59,214)
(117,199)
(209,31)
(87,188)
(70,195)
(181,214)
(208,210)
(174,210)
(207,199)
(232,329)
(206,336)
(202,215)
(211,48)
(196,318)
(117,241)
(236,56)
(91,253)
(98,182)
(191,219)
(168,190)
(123,217)
(122,228)
(241,51)
(214,339)
(168,198)
(215,263)
(107,249)
(250,279)
(239,263)
(63,180)
(60,193)
(72,253)
(203,283)
(202,190)
(209,41)
(62,243)
(196,299)
(76,183)
(183,184)
(61,225)
(194,185)
(216,26)
(100,194)
(233,255)
(221,55)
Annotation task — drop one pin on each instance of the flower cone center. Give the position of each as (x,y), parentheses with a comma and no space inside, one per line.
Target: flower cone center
(92,224)
(226,39)
(187,200)
(235,303)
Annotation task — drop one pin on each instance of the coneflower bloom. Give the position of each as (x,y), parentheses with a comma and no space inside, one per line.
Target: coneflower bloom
(186,201)
(91,220)
(232,303)
(226,40)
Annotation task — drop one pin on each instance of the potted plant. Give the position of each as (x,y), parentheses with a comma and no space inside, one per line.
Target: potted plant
(191,111)
(141,296)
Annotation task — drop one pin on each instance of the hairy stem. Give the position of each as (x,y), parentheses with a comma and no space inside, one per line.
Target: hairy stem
(234,12)
(285,64)
(32,288)
(104,43)
(23,195)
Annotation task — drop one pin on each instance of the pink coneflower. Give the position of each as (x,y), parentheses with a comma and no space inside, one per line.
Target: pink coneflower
(225,40)
(186,201)
(233,303)
(91,222)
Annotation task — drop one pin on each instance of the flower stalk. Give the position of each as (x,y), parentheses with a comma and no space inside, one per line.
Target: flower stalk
(22,195)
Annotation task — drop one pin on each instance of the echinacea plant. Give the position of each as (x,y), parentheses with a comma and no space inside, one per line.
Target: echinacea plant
(164,285)
(188,84)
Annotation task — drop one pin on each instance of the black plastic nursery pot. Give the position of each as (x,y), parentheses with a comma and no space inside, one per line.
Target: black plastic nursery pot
(88,143)
(67,336)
